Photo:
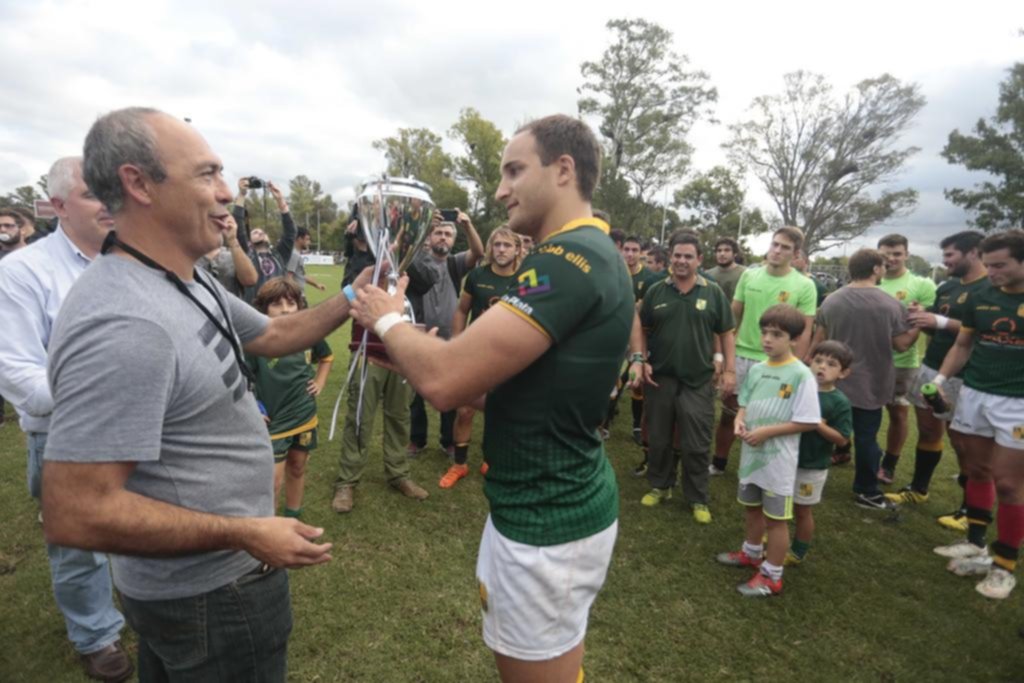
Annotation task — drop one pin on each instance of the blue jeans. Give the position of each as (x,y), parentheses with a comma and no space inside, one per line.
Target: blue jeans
(238,632)
(81,578)
(868,455)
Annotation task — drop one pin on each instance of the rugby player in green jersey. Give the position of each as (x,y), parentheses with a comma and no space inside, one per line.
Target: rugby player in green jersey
(483,287)
(990,416)
(542,363)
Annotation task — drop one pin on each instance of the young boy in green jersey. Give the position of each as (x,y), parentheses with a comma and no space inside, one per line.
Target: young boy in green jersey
(830,362)
(778,401)
(287,387)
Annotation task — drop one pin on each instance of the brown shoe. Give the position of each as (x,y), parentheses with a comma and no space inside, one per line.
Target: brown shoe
(410,489)
(343,500)
(109,664)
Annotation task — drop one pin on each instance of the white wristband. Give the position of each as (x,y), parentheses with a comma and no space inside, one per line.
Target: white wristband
(939,380)
(941,321)
(719,358)
(386,322)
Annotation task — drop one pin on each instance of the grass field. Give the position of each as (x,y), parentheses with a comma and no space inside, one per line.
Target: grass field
(399,601)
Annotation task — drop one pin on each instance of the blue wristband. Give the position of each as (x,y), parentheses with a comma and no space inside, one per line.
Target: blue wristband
(350,293)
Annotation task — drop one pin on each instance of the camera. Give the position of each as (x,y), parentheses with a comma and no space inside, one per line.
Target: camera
(254,183)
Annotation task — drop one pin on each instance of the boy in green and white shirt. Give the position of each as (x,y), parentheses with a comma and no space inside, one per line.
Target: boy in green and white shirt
(778,401)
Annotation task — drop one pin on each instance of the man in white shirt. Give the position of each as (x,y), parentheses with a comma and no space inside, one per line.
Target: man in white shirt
(33,283)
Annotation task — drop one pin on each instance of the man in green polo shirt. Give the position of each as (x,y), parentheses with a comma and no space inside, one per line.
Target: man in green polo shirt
(681,316)
(542,362)
(915,293)
(758,289)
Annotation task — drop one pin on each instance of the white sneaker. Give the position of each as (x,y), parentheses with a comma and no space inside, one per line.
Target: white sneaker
(997,585)
(962,548)
(714,471)
(978,565)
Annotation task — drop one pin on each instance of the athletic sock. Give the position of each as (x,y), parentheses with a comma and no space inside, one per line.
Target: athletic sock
(925,462)
(719,463)
(772,571)
(979,496)
(800,548)
(638,412)
(461,453)
(289,512)
(1010,525)
(889,462)
(752,551)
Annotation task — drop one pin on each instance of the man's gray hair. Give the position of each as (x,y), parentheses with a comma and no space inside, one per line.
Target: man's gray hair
(120,137)
(61,178)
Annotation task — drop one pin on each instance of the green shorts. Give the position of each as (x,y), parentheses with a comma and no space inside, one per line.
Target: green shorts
(304,441)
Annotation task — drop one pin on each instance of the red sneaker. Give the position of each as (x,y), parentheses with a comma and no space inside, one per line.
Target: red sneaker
(760,587)
(452,476)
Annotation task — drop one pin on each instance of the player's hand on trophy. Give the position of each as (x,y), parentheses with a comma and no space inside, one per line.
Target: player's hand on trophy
(373,303)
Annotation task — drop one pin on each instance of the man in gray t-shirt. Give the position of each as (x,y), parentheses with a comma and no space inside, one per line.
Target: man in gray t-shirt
(872,324)
(296,267)
(158,453)
(439,306)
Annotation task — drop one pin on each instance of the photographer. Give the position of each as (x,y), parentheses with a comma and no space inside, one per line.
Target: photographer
(269,262)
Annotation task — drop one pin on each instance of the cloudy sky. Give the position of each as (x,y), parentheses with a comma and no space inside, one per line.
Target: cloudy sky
(283,88)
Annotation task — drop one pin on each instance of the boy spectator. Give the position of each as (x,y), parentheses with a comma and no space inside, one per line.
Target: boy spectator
(830,362)
(287,387)
(777,402)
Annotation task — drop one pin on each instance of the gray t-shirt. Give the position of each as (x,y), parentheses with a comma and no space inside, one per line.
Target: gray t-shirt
(139,374)
(865,319)
(727,279)
(440,302)
(297,267)
(222,267)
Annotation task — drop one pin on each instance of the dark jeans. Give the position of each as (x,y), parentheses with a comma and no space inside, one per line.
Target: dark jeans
(238,632)
(867,454)
(418,429)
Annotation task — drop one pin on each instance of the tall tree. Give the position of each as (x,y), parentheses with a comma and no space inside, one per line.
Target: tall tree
(818,155)
(714,201)
(483,144)
(645,101)
(417,153)
(309,203)
(997,147)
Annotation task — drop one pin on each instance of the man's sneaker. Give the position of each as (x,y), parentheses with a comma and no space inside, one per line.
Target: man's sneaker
(885,476)
(603,433)
(760,587)
(907,495)
(656,497)
(977,565)
(484,467)
(791,559)
(343,500)
(957,521)
(640,470)
(997,585)
(638,436)
(452,476)
(701,514)
(738,558)
(410,489)
(875,502)
(962,548)
(714,471)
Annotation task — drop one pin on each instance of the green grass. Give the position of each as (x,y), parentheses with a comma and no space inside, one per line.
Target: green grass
(399,601)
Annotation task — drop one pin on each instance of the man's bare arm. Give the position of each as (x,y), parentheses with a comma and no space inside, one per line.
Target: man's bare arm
(86,505)
(803,344)
(956,358)
(461,314)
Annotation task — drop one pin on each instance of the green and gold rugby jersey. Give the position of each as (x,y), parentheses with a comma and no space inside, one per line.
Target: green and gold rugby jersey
(281,387)
(549,480)
(907,289)
(759,290)
(815,450)
(643,280)
(485,287)
(996,319)
(951,300)
(681,329)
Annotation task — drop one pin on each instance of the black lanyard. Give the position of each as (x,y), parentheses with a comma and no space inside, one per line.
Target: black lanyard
(227,332)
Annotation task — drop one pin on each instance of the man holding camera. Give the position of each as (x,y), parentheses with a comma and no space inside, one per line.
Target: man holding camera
(439,306)
(269,262)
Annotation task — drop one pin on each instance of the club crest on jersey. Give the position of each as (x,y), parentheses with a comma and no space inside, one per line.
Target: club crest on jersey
(1020,311)
(531,283)
(806,490)
(785,390)
(702,304)
(962,298)
(901,295)
(783,297)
